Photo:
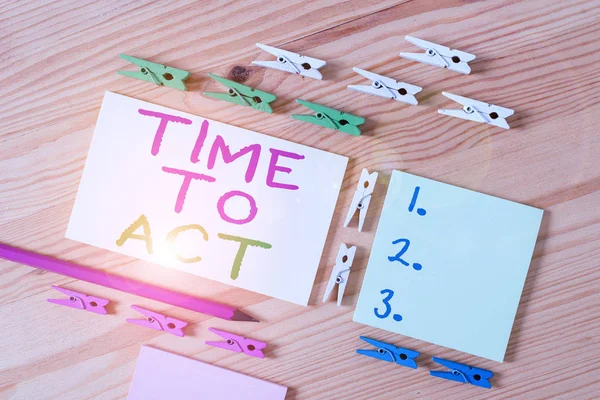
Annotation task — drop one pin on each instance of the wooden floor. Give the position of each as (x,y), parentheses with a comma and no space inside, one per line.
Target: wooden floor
(540,58)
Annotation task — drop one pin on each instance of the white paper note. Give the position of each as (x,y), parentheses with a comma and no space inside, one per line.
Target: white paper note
(207,198)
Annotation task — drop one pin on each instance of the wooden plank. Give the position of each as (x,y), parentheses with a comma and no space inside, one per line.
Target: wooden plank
(537,57)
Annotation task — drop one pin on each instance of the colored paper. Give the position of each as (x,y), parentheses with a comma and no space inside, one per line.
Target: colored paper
(161,375)
(211,199)
(448,265)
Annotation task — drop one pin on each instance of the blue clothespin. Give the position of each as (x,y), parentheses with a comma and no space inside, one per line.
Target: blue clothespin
(463,373)
(390,353)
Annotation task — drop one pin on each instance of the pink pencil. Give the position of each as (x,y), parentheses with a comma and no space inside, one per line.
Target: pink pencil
(123,284)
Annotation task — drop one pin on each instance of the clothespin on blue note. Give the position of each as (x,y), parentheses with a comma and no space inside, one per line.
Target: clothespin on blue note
(478,111)
(387,87)
(243,95)
(362,198)
(390,353)
(463,373)
(440,56)
(292,62)
(156,73)
(330,118)
(341,272)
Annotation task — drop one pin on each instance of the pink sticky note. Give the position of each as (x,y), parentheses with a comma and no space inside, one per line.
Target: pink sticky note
(162,375)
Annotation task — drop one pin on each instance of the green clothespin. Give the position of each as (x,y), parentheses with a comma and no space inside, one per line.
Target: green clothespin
(156,73)
(243,95)
(331,118)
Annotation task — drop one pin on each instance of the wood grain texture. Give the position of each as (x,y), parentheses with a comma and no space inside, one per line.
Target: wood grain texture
(538,57)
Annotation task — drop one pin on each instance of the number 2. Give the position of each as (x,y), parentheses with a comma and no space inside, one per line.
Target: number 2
(388,308)
(401,252)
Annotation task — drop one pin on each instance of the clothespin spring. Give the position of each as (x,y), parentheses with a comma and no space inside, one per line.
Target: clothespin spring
(333,125)
(75,299)
(231,342)
(432,53)
(381,350)
(471,110)
(339,278)
(152,320)
(379,85)
(360,204)
(456,372)
(146,71)
(233,91)
(284,60)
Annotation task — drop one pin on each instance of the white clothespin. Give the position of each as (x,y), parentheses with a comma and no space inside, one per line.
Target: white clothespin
(340,272)
(362,197)
(440,56)
(387,87)
(292,62)
(478,111)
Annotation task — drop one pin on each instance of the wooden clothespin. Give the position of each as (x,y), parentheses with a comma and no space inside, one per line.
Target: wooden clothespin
(330,118)
(478,111)
(390,353)
(387,87)
(156,73)
(292,62)
(341,272)
(80,301)
(440,56)
(243,95)
(463,373)
(362,197)
(238,343)
(158,322)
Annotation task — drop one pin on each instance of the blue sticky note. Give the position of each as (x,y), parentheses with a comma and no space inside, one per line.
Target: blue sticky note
(448,265)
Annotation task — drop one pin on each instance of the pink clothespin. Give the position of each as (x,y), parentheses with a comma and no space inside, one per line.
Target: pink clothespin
(239,344)
(80,301)
(159,322)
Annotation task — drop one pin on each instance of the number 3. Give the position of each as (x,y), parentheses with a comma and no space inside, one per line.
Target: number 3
(388,308)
